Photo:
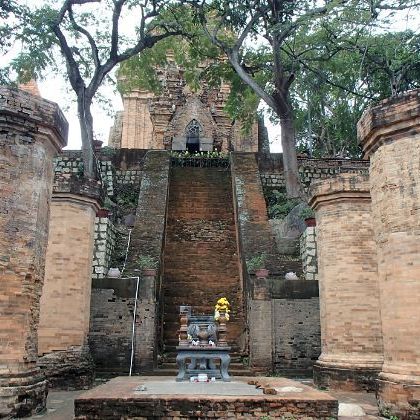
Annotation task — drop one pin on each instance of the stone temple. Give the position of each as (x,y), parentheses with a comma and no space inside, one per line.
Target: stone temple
(184,230)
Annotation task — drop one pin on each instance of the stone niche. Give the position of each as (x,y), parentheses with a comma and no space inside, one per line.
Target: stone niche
(32,131)
(191,118)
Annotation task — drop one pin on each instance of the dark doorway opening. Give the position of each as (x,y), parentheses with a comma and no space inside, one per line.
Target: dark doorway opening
(193,136)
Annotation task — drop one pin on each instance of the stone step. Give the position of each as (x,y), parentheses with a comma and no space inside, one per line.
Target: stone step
(200,254)
(174,371)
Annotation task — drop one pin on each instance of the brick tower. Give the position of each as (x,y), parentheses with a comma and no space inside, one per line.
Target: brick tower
(180,119)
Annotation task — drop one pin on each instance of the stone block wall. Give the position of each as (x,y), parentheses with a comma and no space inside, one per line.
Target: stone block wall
(310,170)
(111,320)
(128,177)
(296,326)
(104,246)
(308,253)
(68,164)
(107,176)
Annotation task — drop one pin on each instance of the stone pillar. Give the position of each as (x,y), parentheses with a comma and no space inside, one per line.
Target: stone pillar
(260,316)
(146,324)
(351,338)
(32,131)
(65,302)
(390,135)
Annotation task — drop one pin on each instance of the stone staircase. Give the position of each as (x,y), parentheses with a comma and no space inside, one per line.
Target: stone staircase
(201,261)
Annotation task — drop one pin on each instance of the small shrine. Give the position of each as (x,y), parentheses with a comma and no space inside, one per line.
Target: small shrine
(202,341)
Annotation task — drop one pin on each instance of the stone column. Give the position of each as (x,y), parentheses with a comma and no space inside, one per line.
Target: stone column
(32,131)
(65,302)
(351,338)
(390,135)
(146,324)
(260,316)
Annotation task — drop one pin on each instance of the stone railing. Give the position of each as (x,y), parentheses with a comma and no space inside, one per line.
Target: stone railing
(200,160)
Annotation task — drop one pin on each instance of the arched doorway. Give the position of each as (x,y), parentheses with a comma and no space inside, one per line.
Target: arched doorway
(192,133)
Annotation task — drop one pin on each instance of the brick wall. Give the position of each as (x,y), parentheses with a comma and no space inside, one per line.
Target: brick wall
(147,236)
(136,126)
(254,230)
(296,326)
(147,240)
(390,134)
(111,320)
(350,318)
(255,238)
(65,300)
(32,130)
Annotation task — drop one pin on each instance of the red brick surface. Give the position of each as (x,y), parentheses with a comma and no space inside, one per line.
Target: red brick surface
(201,261)
(119,399)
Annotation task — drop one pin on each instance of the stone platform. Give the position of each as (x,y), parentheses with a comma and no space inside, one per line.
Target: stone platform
(163,397)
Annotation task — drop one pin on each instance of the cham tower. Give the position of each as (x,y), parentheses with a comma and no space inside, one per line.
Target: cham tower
(181,119)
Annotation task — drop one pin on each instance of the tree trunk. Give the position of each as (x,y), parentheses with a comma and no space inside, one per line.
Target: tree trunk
(86,131)
(291,172)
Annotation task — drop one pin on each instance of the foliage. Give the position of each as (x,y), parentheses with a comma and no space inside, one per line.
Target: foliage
(88,38)
(386,412)
(127,198)
(269,43)
(330,97)
(306,213)
(278,204)
(146,262)
(212,159)
(256,262)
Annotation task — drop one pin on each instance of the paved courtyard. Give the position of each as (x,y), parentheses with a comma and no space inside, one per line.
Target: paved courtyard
(352,405)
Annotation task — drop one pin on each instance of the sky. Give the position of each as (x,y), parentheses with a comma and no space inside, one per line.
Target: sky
(54,89)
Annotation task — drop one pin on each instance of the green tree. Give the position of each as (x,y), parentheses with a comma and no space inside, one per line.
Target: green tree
(87,34)
(329,96)
(261,41)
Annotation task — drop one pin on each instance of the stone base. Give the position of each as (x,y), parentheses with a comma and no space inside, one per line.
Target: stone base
(68,369)
(22,394)
(399,396)
(152,397)
(345,378)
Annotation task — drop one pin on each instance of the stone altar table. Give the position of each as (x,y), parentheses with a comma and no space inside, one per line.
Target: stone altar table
(203,361)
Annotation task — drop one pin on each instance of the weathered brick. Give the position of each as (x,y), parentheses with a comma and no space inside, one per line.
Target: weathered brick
(25,191)
(390,135)
(350,317)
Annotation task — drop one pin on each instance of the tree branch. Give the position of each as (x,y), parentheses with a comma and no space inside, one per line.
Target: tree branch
(114,34)
(89,37)
(233,57)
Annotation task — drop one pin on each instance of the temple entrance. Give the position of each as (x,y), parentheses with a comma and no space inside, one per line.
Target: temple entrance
(192,133)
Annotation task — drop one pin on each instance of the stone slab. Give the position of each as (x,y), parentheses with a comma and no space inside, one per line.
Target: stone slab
(165,398)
